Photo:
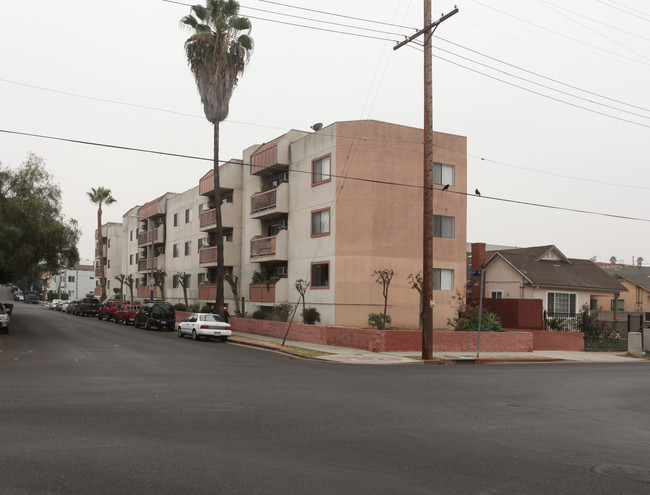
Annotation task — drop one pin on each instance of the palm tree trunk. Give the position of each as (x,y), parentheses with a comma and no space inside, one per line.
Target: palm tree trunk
(217,200)
(102,277)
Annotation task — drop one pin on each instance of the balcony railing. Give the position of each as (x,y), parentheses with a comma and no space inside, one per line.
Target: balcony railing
(144,264)
(208,218)
(99,271)
(261,293)
(208,254)
(207,292)
(264,200)
(263,246)
(145,237)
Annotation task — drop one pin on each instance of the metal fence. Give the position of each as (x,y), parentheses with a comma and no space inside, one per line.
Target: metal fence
(599,334)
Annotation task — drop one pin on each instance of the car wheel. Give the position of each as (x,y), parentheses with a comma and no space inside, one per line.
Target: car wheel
(136,324)
(125,322)
(99,317)
(194,335)
(147,324)
(180,332)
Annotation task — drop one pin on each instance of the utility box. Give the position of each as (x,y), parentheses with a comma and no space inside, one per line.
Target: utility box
(646,339)
(635,343)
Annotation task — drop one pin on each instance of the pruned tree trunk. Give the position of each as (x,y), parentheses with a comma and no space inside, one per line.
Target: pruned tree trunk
(219,301)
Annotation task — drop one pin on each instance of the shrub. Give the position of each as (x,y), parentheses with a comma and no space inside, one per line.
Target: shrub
(310,316)
(180,307)
(257,278)
(282,311)
(259,315)
(490,322)
(377,320)
(194,308)
(205,309)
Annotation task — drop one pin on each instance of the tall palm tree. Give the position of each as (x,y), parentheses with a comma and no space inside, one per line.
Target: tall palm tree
(217,53)
(101,196)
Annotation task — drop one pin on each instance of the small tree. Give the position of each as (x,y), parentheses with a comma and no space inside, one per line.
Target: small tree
(384,278)
(129,283)
(159,280)
(613,260)
(120,278)
(416,283)
(639,261)
(302,286)
(182,279)
(233,281)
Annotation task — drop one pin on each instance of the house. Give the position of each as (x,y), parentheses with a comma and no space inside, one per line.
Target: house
(328,207)
(636,279)
(543,272)
(76,282)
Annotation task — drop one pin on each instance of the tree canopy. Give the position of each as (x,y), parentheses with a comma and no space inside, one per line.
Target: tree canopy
(34,233)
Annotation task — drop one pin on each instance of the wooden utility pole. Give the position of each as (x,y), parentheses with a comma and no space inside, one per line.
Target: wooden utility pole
(427,213)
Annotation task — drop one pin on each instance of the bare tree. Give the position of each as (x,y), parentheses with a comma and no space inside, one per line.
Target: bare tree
(183,279)
(384,278)
(416,283)
(159,280)
(302,286)
(129,283)
(233,281)
(121,278)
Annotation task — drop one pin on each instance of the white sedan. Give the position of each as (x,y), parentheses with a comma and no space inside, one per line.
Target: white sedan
(204,325)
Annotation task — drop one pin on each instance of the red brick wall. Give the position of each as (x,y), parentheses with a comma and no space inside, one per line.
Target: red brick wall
(387,340)
(557,341)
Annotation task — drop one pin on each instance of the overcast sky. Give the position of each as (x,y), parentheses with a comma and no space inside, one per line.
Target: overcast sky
(553,97)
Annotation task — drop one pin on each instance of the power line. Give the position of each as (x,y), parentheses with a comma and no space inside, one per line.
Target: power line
(360,179)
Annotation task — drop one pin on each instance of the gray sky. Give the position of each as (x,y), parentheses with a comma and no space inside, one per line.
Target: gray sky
(552,96)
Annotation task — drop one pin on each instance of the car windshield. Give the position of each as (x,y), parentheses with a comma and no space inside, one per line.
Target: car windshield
(210,318)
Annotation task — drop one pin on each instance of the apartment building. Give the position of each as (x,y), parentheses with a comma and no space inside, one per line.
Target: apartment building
(327,207)
(76,282)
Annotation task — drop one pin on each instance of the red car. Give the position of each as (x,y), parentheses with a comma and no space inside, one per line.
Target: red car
(126,314)
(109,308)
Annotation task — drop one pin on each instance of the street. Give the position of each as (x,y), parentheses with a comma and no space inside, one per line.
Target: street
(88,406)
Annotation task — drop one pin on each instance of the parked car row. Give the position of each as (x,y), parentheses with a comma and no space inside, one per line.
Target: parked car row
(154,314)
(4,318)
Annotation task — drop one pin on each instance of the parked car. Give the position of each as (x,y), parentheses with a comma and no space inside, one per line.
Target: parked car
(87,306)
(4,320)
(64,306)
(54,302)
(31,299)
(157,314)
(18,296)
(109,308)
(205,325)
(72,306)
(126,314)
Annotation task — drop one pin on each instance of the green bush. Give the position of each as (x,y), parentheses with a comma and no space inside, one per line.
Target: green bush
(259,315)
(377,320)
(310,316)
(194,308)
(205,309)
(282,311)
(490,322)
(180,307)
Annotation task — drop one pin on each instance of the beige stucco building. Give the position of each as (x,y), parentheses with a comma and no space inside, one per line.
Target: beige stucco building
(328,207)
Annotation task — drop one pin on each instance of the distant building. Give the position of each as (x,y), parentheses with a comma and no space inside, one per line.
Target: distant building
(75,282)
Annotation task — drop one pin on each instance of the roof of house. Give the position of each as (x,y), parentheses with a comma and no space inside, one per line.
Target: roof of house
(547,266)
(638,275)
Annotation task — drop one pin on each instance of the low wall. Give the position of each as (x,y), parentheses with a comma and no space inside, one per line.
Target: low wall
(557,341)
(387,340)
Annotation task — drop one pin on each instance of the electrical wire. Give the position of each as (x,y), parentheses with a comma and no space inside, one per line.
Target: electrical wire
(360,179)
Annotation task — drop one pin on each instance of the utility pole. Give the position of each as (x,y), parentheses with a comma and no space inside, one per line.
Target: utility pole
(427,213)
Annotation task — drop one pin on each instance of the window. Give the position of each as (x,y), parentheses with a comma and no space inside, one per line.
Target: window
(444,174)
(175,254)
(200,243)
(70,278)
(108,284)
(137,257)
(175,282)
(109,243)
(444,226)
(188,215)
(320,222)
(130,259)
(561,302)
(320,170)
(620,306)
(108,264)
(320,275)
(175,219)
(201,278)
(130,235)
(496,294)
(188,278)
(188,248)
(226,198)
(443,279)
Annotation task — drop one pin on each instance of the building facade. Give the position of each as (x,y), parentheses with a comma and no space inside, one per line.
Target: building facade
(327,208)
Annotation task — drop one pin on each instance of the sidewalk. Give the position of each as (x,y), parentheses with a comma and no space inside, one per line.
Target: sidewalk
(358,356)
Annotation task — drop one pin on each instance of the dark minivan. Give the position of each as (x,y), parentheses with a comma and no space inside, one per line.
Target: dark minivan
(157,314)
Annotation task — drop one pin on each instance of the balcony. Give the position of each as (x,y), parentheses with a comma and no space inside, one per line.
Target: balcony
(208,255)
(145,237)
(270,248)
(271,157)
(144,264)
(270,203)
(208,218)
(269,294)
(99,271)
(208,292)
(144,292)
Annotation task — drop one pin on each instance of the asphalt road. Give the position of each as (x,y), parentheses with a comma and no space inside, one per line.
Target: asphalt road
(92,407)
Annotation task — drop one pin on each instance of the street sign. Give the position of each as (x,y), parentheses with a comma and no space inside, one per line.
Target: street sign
(473,273)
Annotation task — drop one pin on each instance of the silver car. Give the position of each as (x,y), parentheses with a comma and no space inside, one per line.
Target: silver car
(205,325)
